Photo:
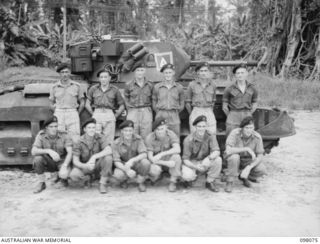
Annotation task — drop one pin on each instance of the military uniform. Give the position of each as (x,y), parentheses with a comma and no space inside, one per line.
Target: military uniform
(139,102)
(104,103)
(240,161)
(85,147)
(168,102)
(157,145)
(202,99)
(66,99)
(59,143)
(240,104)
(123,151)
(197,150)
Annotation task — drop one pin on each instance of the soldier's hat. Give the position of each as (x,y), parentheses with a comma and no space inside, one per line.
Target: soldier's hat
(234,70)
(88,121)
(139,65)
(167,66)
(199,119)
(103,70)
(204,64)
(157,122)
(62,66)
(126,123)
(50,120)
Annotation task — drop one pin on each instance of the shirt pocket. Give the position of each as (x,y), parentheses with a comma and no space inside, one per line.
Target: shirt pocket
(59,93)
(236,97)
(209,95)
(248,96)
(72,91)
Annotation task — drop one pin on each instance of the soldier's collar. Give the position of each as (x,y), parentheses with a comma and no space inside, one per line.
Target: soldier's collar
(196,137)
(51,137)
(122,140)
(164,83)
(144,81)
(70,82)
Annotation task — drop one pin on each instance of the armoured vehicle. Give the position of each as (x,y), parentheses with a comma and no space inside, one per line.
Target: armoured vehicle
(25,105)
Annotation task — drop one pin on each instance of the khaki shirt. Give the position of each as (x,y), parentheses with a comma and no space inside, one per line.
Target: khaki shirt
(58,143)
(238,100)
(137,96)
(164,98)
(200,96)
(195,148)
(236,139)
(85,148)
(66,96)
(111,98)
(122,152)
(157,145)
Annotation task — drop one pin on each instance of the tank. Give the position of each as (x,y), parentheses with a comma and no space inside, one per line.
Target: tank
(24,104)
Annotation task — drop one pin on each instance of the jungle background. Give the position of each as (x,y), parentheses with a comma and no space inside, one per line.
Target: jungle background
(283,35)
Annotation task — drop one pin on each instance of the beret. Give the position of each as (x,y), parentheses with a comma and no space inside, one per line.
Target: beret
(167,66)
(234,70)
(205,64)
(126,123)
(50,120)
(246,121)
(199,119)
(62,66)
(88,121)
(138,65)
(157,122)
(103,70)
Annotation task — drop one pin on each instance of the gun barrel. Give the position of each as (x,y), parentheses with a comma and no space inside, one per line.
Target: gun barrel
(224,63)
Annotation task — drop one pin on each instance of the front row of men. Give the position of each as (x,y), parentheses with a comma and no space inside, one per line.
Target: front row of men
(129,158)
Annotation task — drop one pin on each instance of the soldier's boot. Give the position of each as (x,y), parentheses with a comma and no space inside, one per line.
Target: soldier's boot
(246,182)
(172,187)
(88,182)
(253,179)
(124,185)
(212,186)
(103,188)
(64,182)
(187,184)
(142,187)
(229,187)
(39,187)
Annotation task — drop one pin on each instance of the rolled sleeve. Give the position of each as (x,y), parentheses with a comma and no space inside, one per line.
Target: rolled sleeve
(80,93)
(226,95)
(186,149)
(181,98)
(76,149)
(259,146)
(51,96)
(37,142)
(189,94)
(149,141)
(90,94)
(115,153)
(119,97)
(214,146)
(173,137)
(232,140)
(104,142)
(141,147)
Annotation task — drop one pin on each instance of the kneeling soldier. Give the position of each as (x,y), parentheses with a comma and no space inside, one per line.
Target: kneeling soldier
(164,151)
(92,154)
(52,151)
(201,154)
(244,150)
(130,156)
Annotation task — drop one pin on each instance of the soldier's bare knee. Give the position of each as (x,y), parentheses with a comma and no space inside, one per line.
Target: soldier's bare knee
(119,175)
(188,174)
(155,170)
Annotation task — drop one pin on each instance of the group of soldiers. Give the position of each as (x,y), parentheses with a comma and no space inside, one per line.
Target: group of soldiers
(147,147)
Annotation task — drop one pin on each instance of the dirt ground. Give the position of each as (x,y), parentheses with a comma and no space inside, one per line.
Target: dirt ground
(284,203)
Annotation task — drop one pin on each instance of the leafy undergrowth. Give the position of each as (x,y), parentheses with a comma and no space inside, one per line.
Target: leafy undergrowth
(291,94)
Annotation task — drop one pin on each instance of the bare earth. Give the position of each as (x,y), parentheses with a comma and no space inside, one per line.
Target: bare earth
(284,203)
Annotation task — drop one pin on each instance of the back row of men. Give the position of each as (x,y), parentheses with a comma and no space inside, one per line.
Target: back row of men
(139,153)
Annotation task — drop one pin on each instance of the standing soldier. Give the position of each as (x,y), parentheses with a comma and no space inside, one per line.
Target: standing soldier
(244,151)
(168,99)
(201,154)
(67,101)
(52,151)
(201,96)
(130,157)
(164,152)
(239,99)
(138,97)
(103,100)
(92,154)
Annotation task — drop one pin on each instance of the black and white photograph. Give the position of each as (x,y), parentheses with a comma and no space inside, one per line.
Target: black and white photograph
(159,118)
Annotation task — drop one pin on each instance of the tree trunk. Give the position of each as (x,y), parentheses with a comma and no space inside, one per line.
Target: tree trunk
(316,70)
(293,38)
